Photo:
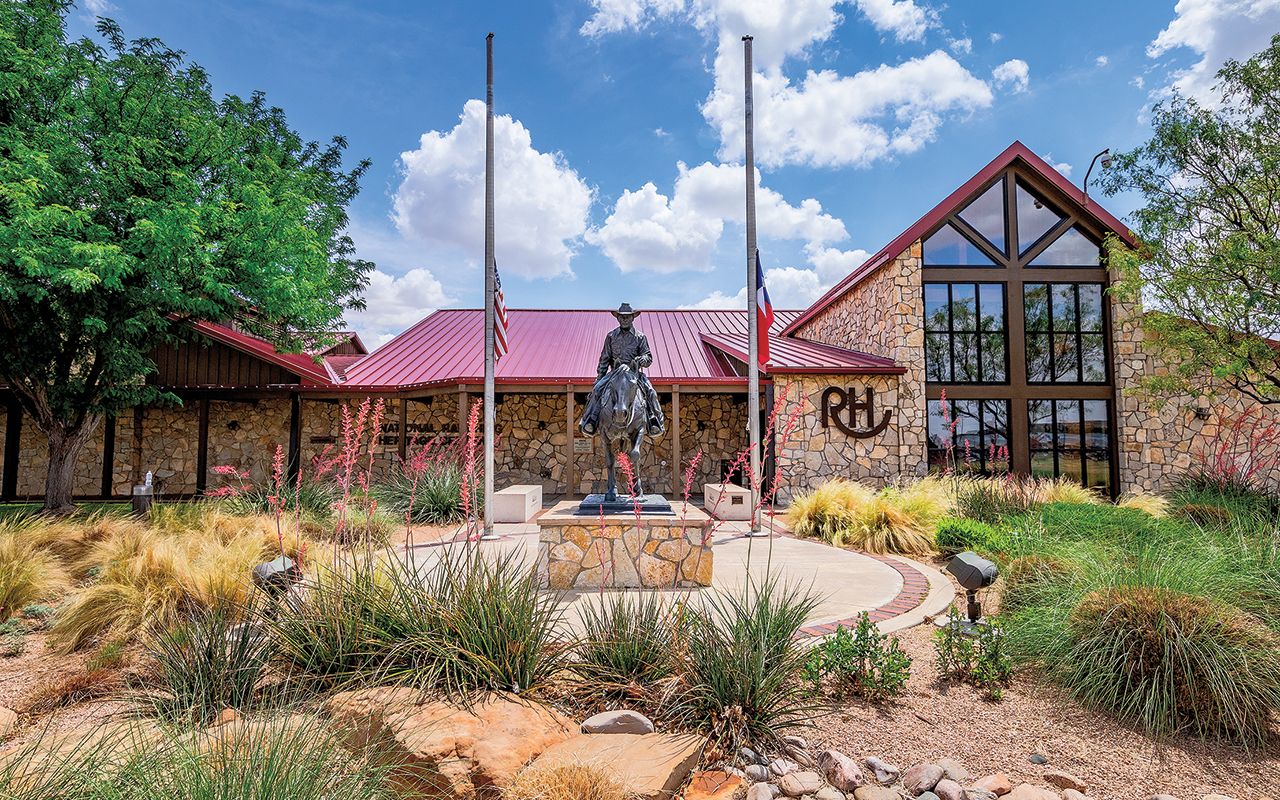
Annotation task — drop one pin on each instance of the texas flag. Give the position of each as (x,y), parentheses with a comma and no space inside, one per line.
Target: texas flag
(764,316)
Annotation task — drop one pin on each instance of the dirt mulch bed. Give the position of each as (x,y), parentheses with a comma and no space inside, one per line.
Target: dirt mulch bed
(949,720)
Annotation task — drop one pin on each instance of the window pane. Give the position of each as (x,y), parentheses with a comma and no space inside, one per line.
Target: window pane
(1035,218)
(964,307)
(1095,424)
(1091,307)
(1066,361)
(1040,424)
(966,357)
(949,248)
(991,303)
(986,215)
(937,357)
(1071,249)
(995,435)
(1042,463)
(1069,464)
(1098,467)
(1039,367)
(935,307)
(1037,306)
(1093,358)
(939,436)
(993,363)
(1064,307)
(1068,428)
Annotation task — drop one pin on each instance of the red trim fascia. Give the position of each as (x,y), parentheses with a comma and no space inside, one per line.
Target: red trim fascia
(738,353)
(257,348)
(1012,153)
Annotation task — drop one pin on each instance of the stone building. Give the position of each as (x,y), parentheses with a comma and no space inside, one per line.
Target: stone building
(982,338)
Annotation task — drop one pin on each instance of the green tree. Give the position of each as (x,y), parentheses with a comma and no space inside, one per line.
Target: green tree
(132,201)
(1209,265)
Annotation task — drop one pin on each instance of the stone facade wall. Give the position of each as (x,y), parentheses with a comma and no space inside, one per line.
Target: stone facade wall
(33,462)
(883,315)
(1161,438)
(170,441)
(244,435)
(531,443)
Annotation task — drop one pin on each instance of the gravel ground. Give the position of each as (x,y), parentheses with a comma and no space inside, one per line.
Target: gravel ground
(941,720)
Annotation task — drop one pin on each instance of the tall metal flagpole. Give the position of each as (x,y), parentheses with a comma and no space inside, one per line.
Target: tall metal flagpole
(753,366)
(489,262)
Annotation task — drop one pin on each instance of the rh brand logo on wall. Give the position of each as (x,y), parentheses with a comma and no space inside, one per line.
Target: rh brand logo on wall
(837,401)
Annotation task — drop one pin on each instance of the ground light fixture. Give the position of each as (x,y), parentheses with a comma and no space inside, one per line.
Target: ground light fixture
(972,572)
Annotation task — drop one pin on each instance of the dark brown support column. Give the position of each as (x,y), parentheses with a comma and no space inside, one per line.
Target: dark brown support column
(12,449)
(677,467)
(295,435)
(202,448)
(108,455)
(463,411)
(571,466)
(404,427)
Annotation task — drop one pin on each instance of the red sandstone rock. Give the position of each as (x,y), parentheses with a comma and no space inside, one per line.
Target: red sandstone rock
(997,784)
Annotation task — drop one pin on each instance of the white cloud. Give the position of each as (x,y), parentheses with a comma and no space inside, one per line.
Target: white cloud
(541,202)
(1062,166)
(395,303)
(995,37)
(823,118)
(789,287)
(649,231)
(1138,82)
(907,21)
(99,7)
(1102,61)
(1014,74)
(831,264)
(1217,30)
(661,133)
(961,46)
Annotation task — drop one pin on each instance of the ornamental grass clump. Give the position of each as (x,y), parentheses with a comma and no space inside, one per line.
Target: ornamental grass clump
(27,573)
(628,639)
(742,664)
(893,520)
(566,782)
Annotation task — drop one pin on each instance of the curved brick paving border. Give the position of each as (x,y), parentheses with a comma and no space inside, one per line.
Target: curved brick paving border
(915,588)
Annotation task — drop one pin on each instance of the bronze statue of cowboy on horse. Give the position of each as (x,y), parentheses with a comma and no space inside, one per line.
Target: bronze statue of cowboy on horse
(623,405)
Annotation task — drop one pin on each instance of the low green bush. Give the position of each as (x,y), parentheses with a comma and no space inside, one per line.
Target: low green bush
(742,664)
(433,497)
(958,535)
(863,663)
(978,657)
(628,639)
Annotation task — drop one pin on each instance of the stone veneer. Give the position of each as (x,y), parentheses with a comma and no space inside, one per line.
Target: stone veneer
(881,315)
(624,550)
(1160,438)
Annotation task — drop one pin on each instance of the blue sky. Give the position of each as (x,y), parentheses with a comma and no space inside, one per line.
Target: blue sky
(619,158)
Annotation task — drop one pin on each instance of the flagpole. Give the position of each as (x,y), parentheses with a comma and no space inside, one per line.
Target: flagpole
(489,262)
(753,365)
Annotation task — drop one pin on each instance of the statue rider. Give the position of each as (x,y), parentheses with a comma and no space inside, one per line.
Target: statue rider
(624,345)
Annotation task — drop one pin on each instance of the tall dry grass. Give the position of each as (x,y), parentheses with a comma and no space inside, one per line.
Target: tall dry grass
(897,519)
(27,573)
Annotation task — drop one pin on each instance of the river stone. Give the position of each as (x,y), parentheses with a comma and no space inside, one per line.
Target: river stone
(757,772)
(795,741)
(829,793)
(782,766)
(797,784)
(840,771)
(617,722)
(876,793)
(974,793)
(883,770)
(762,791)
(948,789)
(921,778)
(750,756)
(1072,794)
(953,771)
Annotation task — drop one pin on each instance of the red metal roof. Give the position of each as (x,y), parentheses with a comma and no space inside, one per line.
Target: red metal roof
(549,346)
(303,365)
(1016,151)
(790,355)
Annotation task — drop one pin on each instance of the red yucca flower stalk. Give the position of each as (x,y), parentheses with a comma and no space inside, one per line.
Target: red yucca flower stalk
(629,472)
(375,430)
(1247,452)
(470,472)
(278,489)
(689,472)
(230,490)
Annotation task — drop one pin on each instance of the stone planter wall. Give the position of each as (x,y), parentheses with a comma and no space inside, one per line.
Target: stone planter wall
(623,551)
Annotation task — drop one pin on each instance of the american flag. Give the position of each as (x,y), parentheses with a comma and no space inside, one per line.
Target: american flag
(500,321)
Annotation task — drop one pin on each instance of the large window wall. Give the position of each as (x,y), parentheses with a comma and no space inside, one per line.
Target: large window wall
(1017,336)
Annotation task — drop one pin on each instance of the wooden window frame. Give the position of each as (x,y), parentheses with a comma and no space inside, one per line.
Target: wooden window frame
(950,331)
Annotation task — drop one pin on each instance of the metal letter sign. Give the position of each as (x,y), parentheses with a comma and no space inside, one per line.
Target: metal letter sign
(836,400)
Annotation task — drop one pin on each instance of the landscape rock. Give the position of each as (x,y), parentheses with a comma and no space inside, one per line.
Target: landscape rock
(1072,794)
(1037,758)
(927,796)
(947,789)
(840,771)
(796,784)
(757,772)
(1064,780)
(795,741)
(750,756)
(762,791)
(974,793)
(226,716)
(1162,797)
(921,778)
(782,766)
(712,785)
(618,722)
(1217,797)
(1025,791)
(829,793)
(952,770)
(870,792)
(801,757)
(8,721)
(883,770)
(449,751)
(650,766)
(997,783)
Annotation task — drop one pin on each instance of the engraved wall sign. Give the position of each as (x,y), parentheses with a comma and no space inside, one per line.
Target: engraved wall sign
(837,401)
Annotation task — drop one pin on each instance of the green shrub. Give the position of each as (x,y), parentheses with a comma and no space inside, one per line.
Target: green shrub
(743,664)
(315,498)
(974,653)
(958,535)
(1173,662)
(466,623)
(864,663)
(13,638)
(1206,515)
(211,662)
(436,496)
(628,638)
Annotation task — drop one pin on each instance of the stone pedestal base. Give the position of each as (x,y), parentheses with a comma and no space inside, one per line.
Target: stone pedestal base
(624,550)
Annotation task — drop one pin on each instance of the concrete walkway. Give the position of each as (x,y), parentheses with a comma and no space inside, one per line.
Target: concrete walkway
(897,592)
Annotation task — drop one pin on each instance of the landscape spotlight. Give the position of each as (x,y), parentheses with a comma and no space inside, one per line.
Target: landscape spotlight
(276,577)
(973,572)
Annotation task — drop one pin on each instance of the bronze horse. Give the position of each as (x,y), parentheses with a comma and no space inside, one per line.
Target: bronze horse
(623,423)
